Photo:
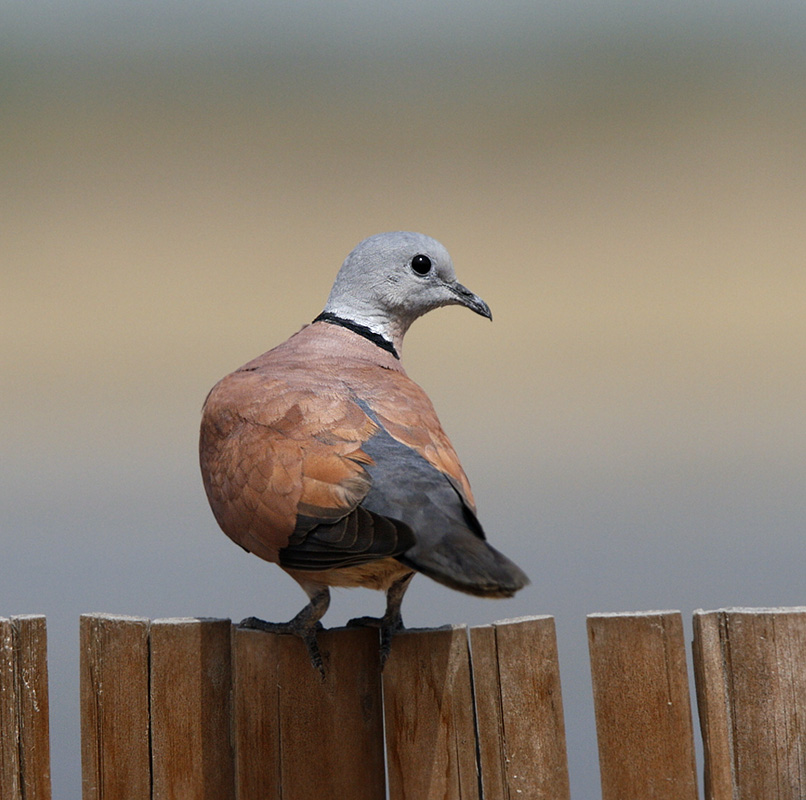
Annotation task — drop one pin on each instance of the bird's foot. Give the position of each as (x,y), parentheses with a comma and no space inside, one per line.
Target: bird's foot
(257,624)
(388,626)
(303,629)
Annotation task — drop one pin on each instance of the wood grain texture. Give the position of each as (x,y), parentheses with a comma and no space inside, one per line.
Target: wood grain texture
(24,708)
(521,731)
(190,710)
(10,767)
(298,737)
(750,667)
(428,707)
(115,750)
(642,704)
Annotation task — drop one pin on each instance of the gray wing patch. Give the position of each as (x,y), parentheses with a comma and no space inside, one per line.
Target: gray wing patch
(449,541)
(407,488)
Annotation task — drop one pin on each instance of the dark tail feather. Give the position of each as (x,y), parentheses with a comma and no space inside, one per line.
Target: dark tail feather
(469,564)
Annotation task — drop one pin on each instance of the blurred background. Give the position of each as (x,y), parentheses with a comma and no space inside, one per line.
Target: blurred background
(624,182)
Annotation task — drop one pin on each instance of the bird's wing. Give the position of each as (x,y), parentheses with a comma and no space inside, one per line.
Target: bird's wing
(405,412)
(418,480)
(284,471)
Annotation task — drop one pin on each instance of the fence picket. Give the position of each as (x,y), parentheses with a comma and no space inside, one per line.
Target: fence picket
(115,756)
(750,667)
(643,710)
(521,731)
(428,706)
(193,709)
(298,737)
(24,723)
(190,710)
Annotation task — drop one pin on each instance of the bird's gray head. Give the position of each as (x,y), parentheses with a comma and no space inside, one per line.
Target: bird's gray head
(392,278)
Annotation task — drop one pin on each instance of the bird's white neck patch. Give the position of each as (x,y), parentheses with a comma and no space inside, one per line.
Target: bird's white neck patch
(362,330)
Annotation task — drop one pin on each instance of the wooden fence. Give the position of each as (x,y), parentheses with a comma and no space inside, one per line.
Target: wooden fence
(187,709)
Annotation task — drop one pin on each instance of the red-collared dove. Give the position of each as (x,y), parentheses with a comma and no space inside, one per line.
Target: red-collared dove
(324,457)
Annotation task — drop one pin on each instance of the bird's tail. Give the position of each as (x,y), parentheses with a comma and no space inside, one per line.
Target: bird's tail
(469,564)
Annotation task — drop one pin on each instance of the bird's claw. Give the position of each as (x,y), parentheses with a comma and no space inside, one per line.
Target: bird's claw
(257,624)
(305,632)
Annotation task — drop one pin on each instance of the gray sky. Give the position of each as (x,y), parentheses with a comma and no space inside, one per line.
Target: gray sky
(367,28)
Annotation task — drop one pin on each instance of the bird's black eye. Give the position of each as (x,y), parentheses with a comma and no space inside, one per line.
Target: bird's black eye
(421,264)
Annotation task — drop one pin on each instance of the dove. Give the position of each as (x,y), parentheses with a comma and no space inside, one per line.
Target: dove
(322,456)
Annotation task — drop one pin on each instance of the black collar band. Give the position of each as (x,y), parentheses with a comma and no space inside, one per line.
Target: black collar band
(361,330)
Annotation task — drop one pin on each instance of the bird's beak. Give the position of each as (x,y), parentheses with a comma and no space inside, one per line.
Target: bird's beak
(465,297)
